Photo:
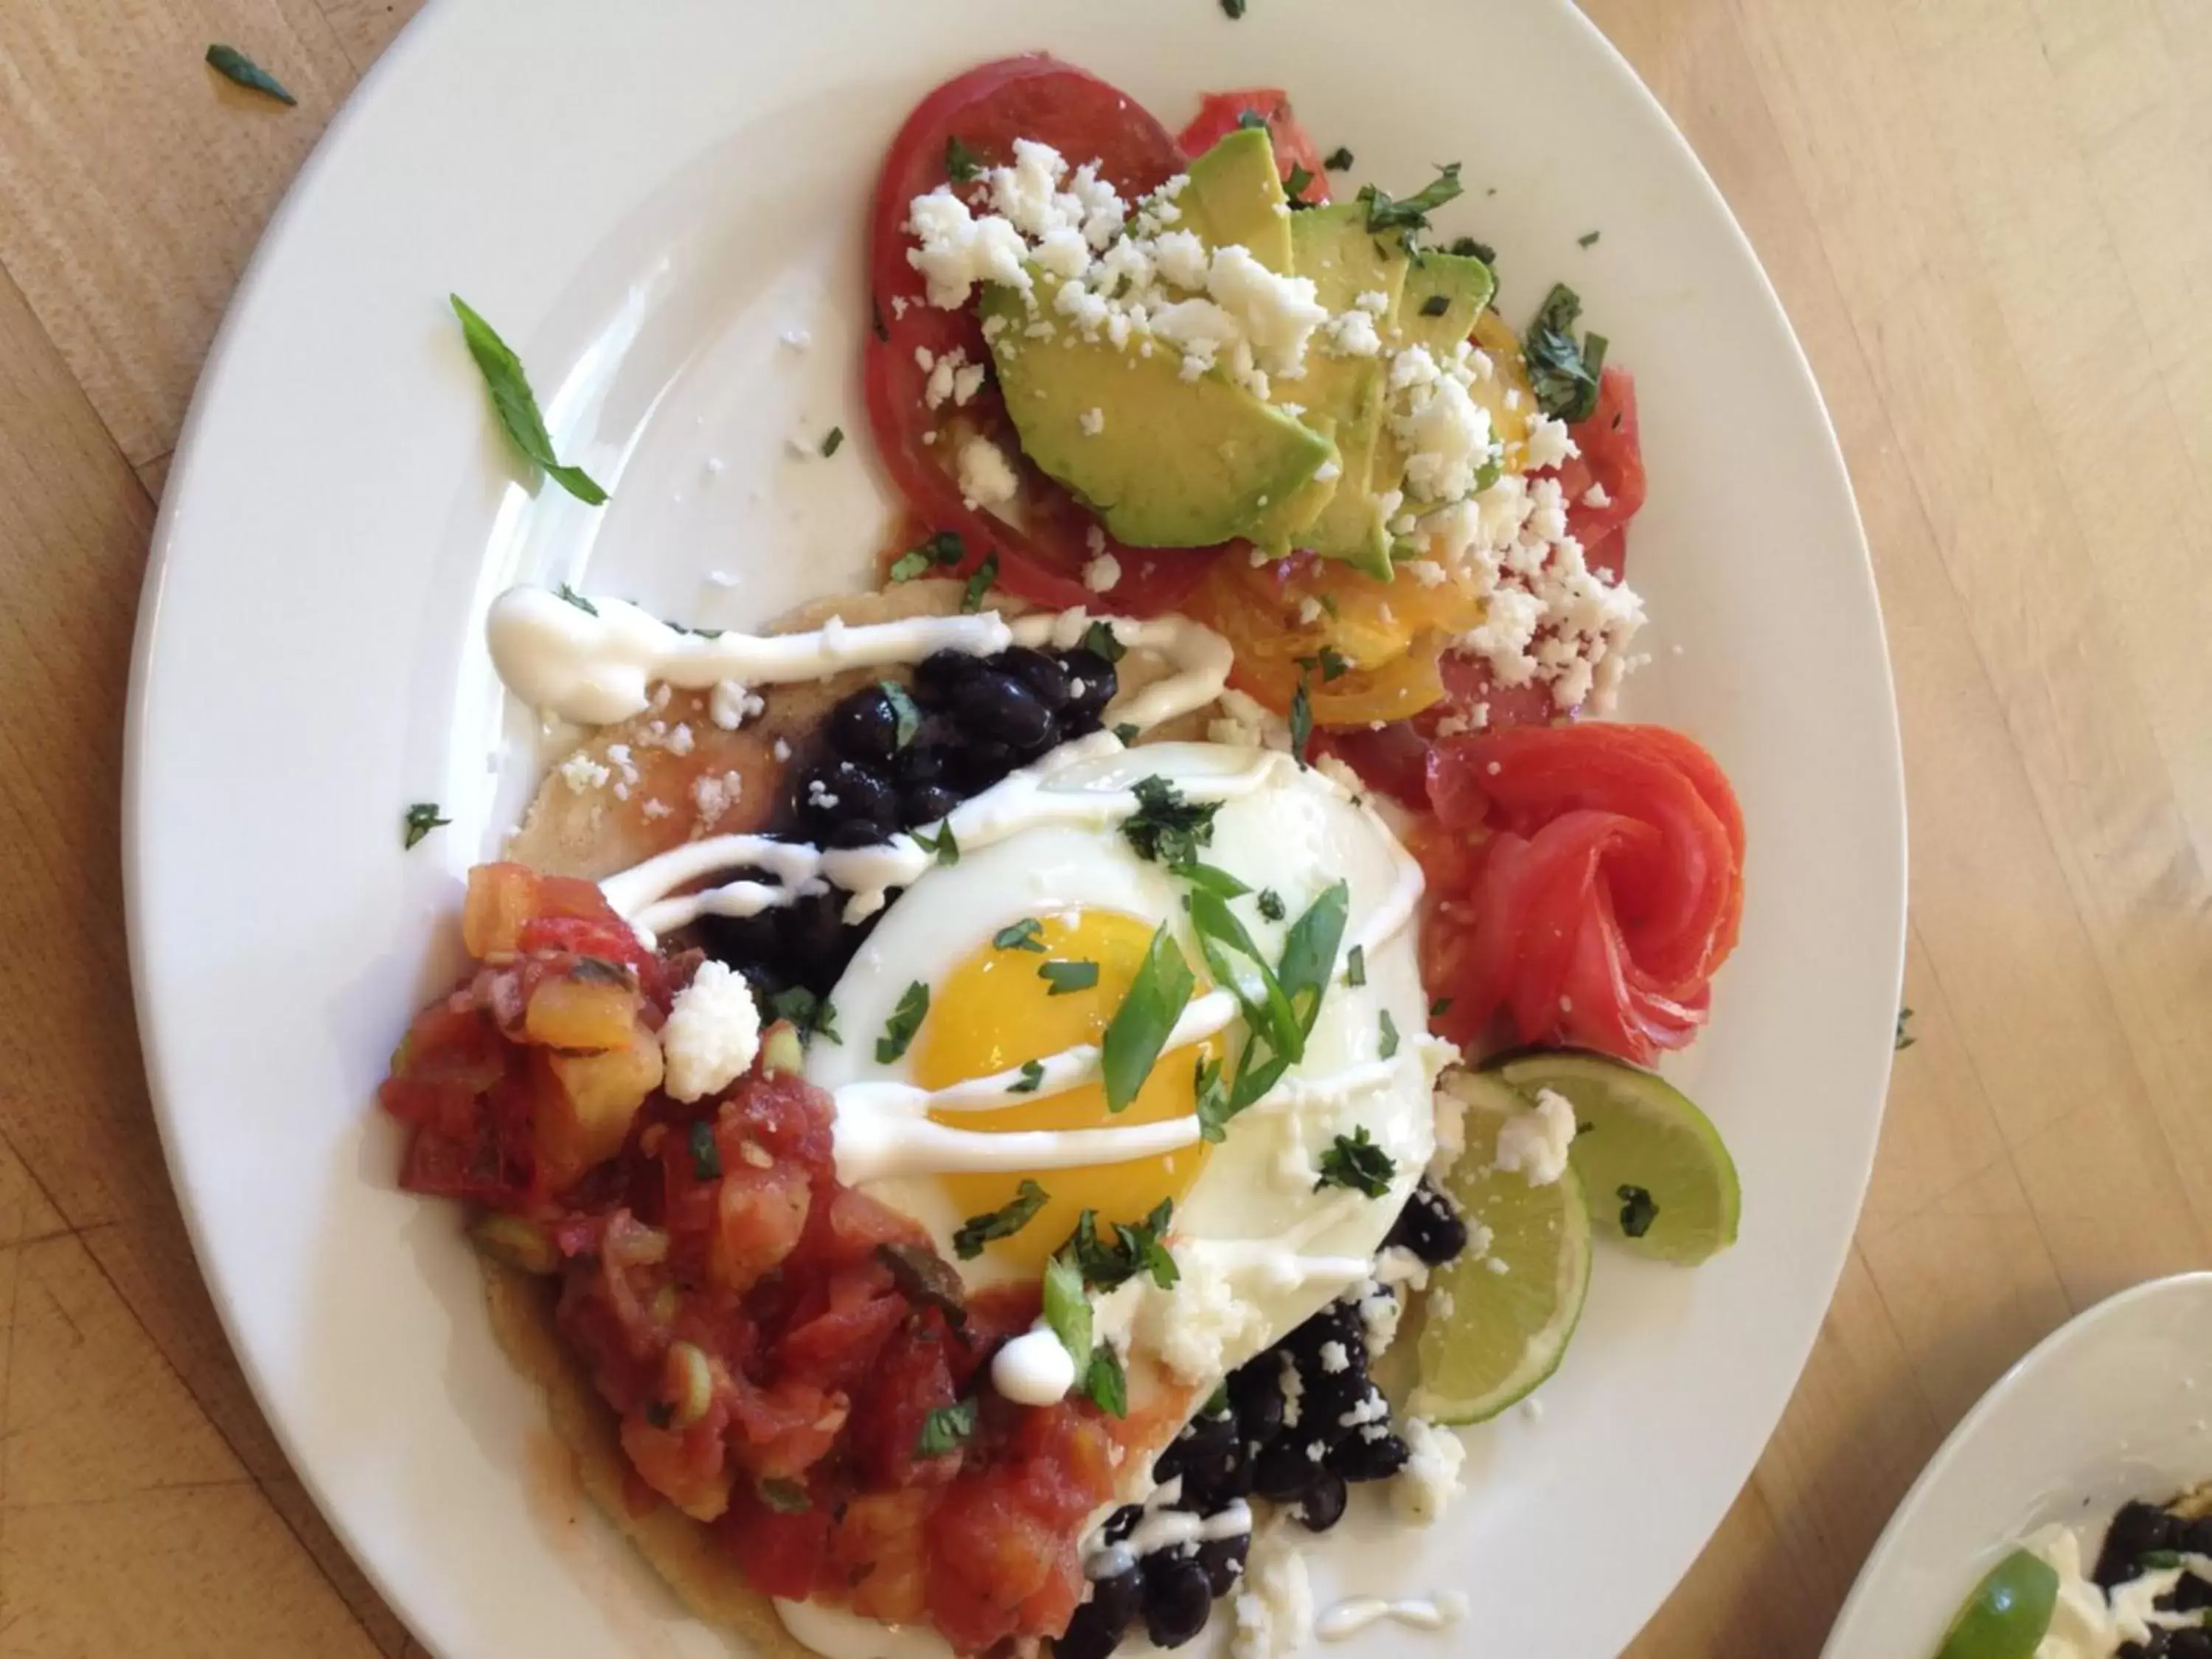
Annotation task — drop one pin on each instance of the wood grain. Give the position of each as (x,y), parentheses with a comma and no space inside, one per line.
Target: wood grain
(1991,222)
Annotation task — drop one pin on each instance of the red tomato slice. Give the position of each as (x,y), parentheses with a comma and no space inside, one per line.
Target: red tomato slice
(1612,455)
(1220,112)
(1607,887)
(1040,560)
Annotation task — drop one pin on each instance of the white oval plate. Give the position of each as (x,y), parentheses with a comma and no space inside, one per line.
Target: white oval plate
(2117,1403)
(644,198)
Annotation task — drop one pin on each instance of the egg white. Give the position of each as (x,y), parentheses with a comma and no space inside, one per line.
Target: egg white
(1261,1250)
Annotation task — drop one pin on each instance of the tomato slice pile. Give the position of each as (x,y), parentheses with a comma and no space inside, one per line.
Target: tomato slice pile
(1585,881)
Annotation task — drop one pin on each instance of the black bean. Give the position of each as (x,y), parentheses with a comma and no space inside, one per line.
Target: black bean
(1330,1396)
(1097,1626)
(920,761)
(843,792)
(1091,683)
(1339,1322)
(1320,1506)
(1429,1227)
(2137,1528)
(974,767)
(1043,675)
(742,940)
(1255,1394)
(857,832)
(926,803)
(814,943)
(938,673)
(1001,707)
(1283,1468)
(2192,1595)
(1176,1599)
(1217,1477)
(2188,1644)
(1203,1443)
(2196,1537)
(1358,1458)
(1223,1558)
(865,726)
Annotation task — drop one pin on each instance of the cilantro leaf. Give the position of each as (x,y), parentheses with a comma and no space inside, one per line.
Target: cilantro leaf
(1638,1210)
(706,1156)
(421,818)
(906,1020)
(1165,828)
(1009,1218)
(944,547)
(1067,1309)
(1066,978)
(1356,1162)
(516,405)
(979,584)
(1386,213)
(946,1429)
(1027,934)
(1106,1382)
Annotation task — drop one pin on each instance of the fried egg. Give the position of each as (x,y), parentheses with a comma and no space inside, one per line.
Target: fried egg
(1005,940)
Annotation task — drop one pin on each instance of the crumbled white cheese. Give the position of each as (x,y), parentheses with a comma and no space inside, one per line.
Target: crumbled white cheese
(1595,496)
(1534,1144)
(1274,1609)
(1293,1389)
(1446,435)
(653,807)
(1547,444)
(987,477)
(1334,1358)
(957,250)
(712,1033)
(1102,573)
(1192,1325)
(1244,723)
(731,704)
(1379,1313)
(1399,1265)
(1425,1488)
(1351,334)
(581,773)
(1451,1125)
(714,796)
(1371,1408)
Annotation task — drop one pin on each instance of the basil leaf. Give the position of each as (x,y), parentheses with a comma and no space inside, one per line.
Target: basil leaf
(235,66)
(421,818)
(1357,1162)
(1106,1382)
(516,405)
(1207,879)
(906,1020)
(1066,1310)
(1563,374)
(1027,934)
(1068,977)
(946,1429)
(1141,1025)
(1032,1075)
(1009,1218)
(1384,212)
(979,584)
(706,1156)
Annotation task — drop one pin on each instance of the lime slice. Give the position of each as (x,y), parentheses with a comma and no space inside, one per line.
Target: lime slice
(1497,1320)
(2008,1614)
(1658,1176)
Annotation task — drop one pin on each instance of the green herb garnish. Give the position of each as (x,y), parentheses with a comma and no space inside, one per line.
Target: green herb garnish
(1068,977)
(1251,120)
(811,1014)
(1009,1218)
(942,844)
(1301,720)
(833,442)
(1100,639)
(946,1429)
(1067,1309)
(979,584)
(1032,1075)
(235,66)
(1588,238)
(1440,1007)
(960,163)
(1235,963)
(1386,213)
(926,1277)
(1563,374)
(706,1156)
(2155,1560)
(1213,1101)
(1232,9)
(905,717)
(1296,183)
(1435,305)
(1904,1037)
(1139,1247)
(516,405)
(577,600)
(1387,1044)
(1638,1210)
(1338,160)
(1165,828)
(1355,965)
(1209,878)
(1467,247)
(1141,1025)
(1356,1162)
(1127,733)
(943,548)
(421,818)
(784,1497)
(1027,934)
(1331,663)
(1106,1382)
(1271,904)
(906,1020)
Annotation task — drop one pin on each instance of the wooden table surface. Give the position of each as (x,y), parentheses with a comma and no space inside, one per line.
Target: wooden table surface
(1991,222)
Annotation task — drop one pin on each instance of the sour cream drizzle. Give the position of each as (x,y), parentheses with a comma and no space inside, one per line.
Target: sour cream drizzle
(1350,1617)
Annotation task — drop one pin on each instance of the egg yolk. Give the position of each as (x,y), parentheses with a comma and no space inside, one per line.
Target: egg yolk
(998,1011)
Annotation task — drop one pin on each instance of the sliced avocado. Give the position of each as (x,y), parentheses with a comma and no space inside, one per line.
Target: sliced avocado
(1171,463)
(1234,196)
(1464,286)
(1343,396)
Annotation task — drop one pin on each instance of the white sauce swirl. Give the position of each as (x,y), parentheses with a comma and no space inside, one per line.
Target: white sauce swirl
(1356,1613)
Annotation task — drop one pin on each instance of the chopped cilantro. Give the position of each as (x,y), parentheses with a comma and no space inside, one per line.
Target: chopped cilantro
(1356,1162)
(706,1156)
(1027,934)
(421,818)
(1009,1218)
(1032,1075)
(944,547)
(1165,828)
(946,1429)
(1563,374)
(1068,977)
(960,163)
(979,584)
(906,1020)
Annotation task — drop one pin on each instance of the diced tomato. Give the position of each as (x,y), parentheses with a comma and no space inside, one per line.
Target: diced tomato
(988,108)
(759,1217)
(1611,456)
(1604,889)
(1222,113)
(881,1548)
(912,1378)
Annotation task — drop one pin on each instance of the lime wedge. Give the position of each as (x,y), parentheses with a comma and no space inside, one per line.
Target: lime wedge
(2008,1614)
(1658,1176)
(1497,1320)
